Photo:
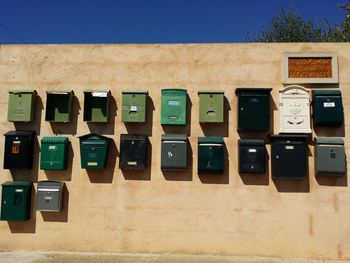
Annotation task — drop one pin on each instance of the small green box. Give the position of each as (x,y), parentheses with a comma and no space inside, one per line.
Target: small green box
(21,106)
(16,200)
(173,108)
(93,151)
(59,106)
(134,106)
(96,106)
(54,153)
(211,106)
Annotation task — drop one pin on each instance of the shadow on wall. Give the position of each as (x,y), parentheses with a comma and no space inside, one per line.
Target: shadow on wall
(61,216)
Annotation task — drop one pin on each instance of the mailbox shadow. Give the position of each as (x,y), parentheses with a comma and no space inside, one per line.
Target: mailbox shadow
(330,131)
(61,216)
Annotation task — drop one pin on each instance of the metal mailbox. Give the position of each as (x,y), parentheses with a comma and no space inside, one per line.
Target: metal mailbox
(49,196)
(93,151)
(96,106)
(59,106)
(252,156)
(16,201)
(173,108)
(211,106)
(21,106)
(133,151)
(174,152)
(253,108)
(211,154)
(54,153)
(134,106)
(19,148)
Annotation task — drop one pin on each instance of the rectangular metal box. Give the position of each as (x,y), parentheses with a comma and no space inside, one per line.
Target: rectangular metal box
(211,154)
(211,106)
(134,106)
(21,106)
(54,153)
(289,156)
(96,106)
(49,197)
(252,156)
(133,151)
(253,109)
(19,148)
(93,151)
(173,107)
(327,108)
(16,201)
(58,106)
(174,152)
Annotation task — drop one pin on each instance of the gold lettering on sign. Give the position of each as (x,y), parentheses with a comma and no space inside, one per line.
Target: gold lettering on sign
(311,67)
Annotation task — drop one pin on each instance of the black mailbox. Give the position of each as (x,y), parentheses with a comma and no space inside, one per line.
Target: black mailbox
(133,151)
(252,156)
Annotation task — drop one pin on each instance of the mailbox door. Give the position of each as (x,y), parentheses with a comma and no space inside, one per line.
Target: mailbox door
(210,158)
(49,200)
(134,107)
(211,107)
(58,107)
(21,106)
(173,108)
(53,156)
(252,159)
(174,155)
(93,156)
(327,111)
(330,159)
(18,152)
(133,154)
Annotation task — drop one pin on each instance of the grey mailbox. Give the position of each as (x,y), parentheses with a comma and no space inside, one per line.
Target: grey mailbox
(174,152)
(50,196)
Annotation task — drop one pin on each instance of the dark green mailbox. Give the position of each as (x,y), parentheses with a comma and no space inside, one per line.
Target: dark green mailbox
(53,153)
(253,109)
(21,106)
(174,152)
(173,108)
(134,106)
(93,151)
(58,106)
(16,200)
(211,106)
(327,108)
(96,105)
(211,154)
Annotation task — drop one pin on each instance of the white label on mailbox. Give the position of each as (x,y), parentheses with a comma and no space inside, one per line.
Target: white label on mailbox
(132,163)
(174,102)
(289,147)
(252,150)
(133,108)
(48,197)
(99,94)
(19,190)
(329,104)
(52,147)
(92,163)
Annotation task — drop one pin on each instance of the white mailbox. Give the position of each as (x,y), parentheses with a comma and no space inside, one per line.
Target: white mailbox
(294,110)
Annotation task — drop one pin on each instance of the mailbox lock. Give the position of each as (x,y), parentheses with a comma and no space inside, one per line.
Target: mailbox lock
(211,95)
(92,148)
(133,95)
(277,157)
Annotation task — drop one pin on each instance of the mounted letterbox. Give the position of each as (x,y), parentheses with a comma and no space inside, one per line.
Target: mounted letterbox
(58,106)
(21,106)
(134,106)
(211,154)
(252,156)
(53,153)
(173,109)
(327,108)
(49,196)
(19,147)
(253,109)
(294,110)
(174,152)
(133,151)
(96,105)
(330,156)
(16,200)
(93,151)
(288,156)
(211,106)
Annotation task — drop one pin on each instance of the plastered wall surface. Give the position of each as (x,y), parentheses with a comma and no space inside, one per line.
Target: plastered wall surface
(173,212)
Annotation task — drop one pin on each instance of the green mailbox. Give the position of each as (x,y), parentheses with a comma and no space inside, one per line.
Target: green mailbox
(134,106)
(253,109)
(211,154)
(173,108)
(16,200)
(96,105)
(58,106)
(54,153)
(21,106)
(93,151)
(211,106)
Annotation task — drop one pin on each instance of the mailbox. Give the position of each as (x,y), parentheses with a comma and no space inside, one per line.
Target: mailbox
(134,106)
(211,106)
(49,196)
(58,106)
(173,108)
(327,108)
(54,153)
(96,106)
(289,156)
(253,109)
(93,151)
(211,154)
(252,156)
(294,110)
(19,148)
(133,151)
(330,156)
(21,106)
(16,200)
(174,152)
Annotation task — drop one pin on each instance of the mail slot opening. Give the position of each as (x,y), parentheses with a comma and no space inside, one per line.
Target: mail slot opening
(96,105)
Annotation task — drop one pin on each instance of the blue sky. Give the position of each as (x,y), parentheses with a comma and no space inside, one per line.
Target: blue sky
(147,21)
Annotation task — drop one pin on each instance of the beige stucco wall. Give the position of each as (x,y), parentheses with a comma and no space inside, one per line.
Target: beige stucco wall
(178,212)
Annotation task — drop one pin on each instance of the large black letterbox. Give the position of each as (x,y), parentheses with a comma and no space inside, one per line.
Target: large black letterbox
(174,152)
(252,156)
(133,151)
(211,154)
